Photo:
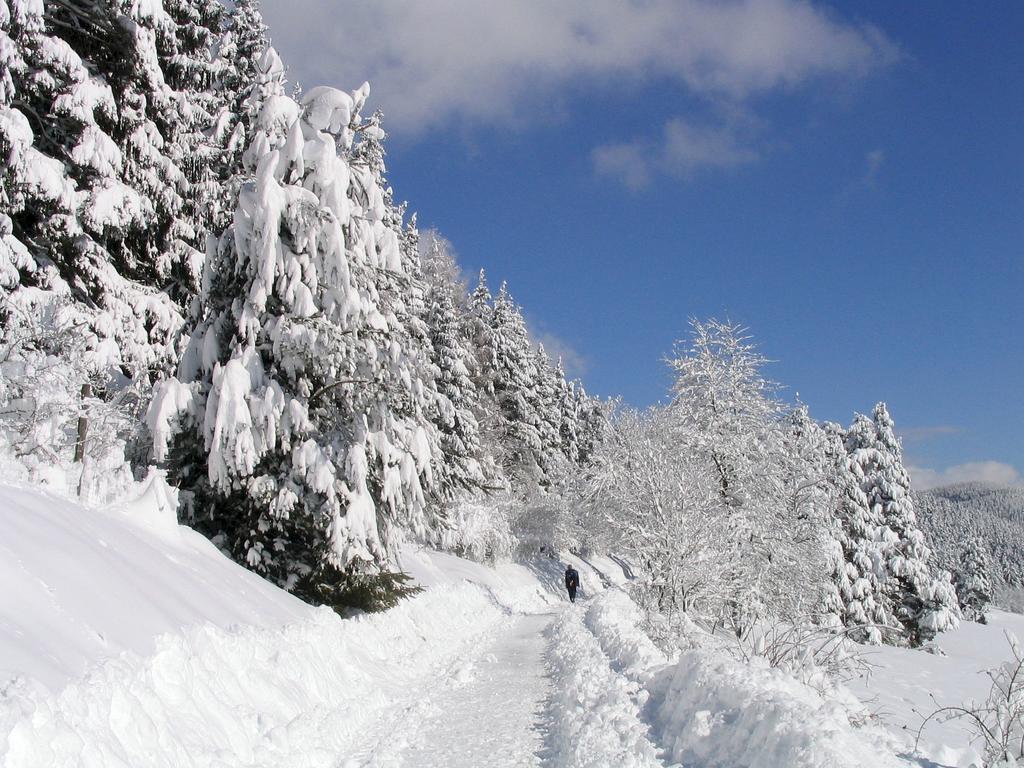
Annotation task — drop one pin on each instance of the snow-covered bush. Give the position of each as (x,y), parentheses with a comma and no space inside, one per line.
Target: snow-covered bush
(480,529)
(63,416)
(818,656)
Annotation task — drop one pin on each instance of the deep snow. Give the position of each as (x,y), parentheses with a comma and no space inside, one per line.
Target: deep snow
(126,640)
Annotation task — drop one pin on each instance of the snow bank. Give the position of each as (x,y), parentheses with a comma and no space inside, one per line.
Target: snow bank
(127,640)
(595,711)
(713,711)
(710,710)
(248,696)
(82,585)
(615,620)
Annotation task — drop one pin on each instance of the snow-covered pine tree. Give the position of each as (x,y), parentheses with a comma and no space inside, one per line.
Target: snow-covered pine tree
(65,187)
(70,220)
(237,54)
(455,412)
(192,73)
(858,572)
(922,603)
(286,438)
(513,363)
(973,581)
(547,394)
(591,423)
(569,412)
(405,381)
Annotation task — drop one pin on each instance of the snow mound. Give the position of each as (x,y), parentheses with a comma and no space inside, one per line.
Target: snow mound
(614,620)
(713,711)
(247,696)
(595,712)
(82,585)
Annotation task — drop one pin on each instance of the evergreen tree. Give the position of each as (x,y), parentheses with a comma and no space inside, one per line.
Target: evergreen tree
(300,440)
(889,548)
(547,392)
(477,331)
(67,187)
(859,575)
(973,583)
(569,413)
(458,401)
(515,377)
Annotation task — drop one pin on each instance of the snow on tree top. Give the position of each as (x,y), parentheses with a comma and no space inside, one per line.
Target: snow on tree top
(270,63)
(329,109)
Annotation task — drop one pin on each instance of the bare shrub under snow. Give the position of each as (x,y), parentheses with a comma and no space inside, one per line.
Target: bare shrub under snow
(480,530)
(998,723)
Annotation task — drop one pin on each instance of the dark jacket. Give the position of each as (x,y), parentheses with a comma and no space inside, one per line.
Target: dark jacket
(572,578)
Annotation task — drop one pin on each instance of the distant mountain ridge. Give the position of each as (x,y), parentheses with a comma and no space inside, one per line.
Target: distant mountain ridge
(953,514)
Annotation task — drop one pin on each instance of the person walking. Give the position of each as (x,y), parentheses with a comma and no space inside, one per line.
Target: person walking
(572,582)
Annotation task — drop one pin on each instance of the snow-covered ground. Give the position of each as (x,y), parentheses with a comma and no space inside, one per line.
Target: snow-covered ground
(905,686)
(126,640)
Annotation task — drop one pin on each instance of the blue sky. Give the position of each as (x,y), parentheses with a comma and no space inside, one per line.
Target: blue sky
(847,180)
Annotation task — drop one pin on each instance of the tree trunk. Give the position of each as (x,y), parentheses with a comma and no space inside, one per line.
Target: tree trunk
(83,425)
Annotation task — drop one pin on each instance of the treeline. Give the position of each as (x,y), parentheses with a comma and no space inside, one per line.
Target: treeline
(738,507)
(205,268)
(978,522)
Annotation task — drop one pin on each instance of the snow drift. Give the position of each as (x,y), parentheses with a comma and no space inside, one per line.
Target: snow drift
(127,640)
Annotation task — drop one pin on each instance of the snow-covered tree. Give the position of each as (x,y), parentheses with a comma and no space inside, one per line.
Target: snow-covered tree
(886,547)
(291,438)
(458,402)
(515,375)
(716,494)
(973,584)
(724,412)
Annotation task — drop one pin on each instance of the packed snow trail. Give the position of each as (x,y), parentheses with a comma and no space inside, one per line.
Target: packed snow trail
(488,713)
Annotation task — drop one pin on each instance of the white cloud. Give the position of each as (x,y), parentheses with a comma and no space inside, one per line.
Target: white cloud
(683,149)
(439,63)
(629,163)
(918,434)
(995,472)
(574,363)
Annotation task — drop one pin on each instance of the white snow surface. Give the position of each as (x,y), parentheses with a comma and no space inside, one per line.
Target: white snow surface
(84,585)
(127,640)
(905,686)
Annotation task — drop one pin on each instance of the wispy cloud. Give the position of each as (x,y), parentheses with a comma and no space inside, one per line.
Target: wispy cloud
(920,434)
(574,362)
(449,62)
(628,163)
(683,149)
(874,160)
(995,472)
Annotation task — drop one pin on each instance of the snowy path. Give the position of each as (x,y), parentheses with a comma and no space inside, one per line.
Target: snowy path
(488,712)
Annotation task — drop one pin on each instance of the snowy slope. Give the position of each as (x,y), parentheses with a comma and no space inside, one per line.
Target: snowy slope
(906,686)
(82,585)
(126,640)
